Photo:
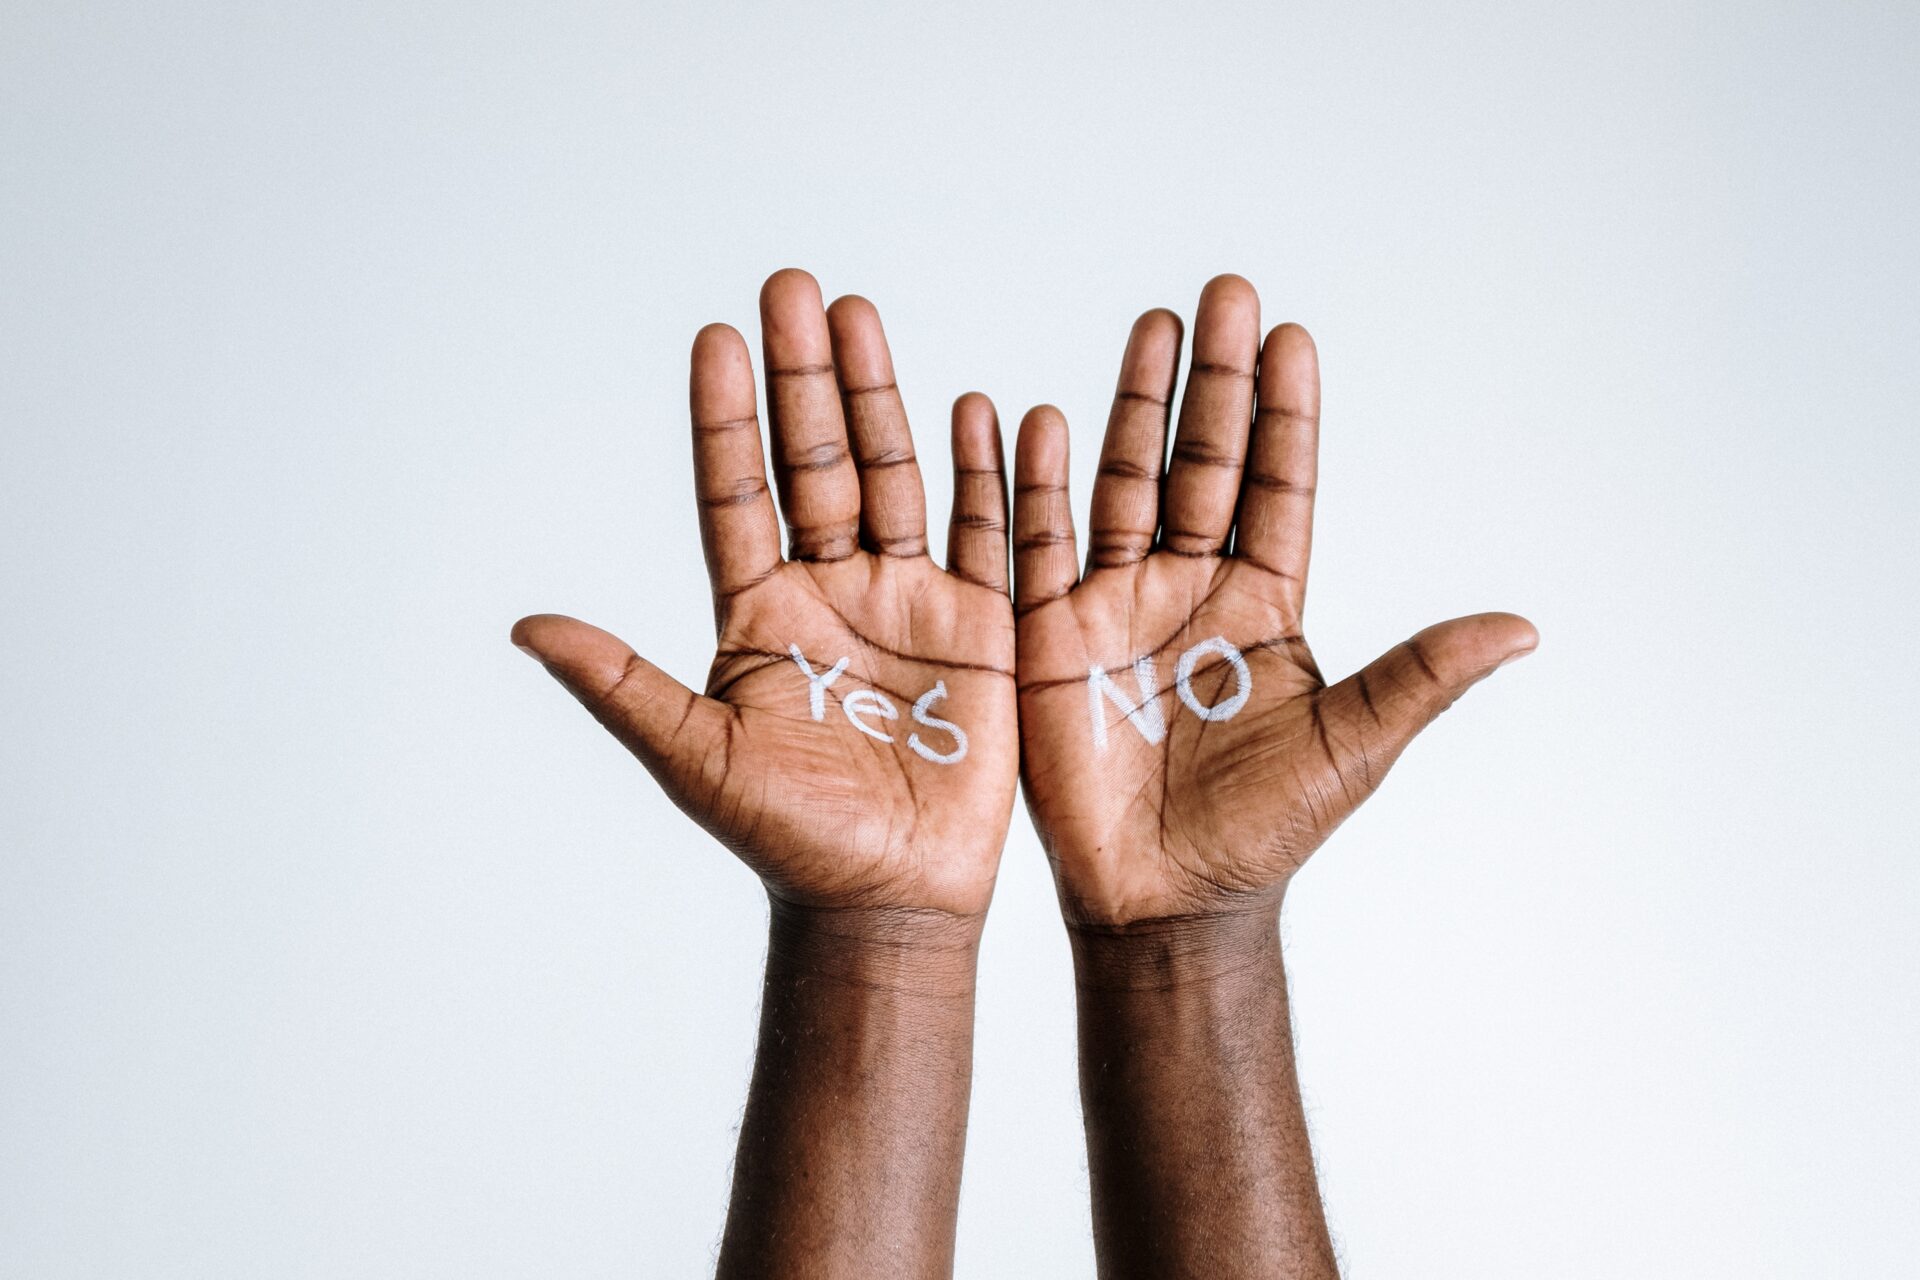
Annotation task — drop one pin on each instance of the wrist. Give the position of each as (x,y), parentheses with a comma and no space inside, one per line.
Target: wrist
(1127,884)
(1167,953)
(902,950)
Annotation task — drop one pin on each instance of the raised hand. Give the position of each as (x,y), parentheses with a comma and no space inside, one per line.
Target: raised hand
(855,744)
(1183,756)
(1182,752)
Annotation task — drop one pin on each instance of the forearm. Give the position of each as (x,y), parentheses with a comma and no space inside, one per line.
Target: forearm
(1197,1144)
(850,1150)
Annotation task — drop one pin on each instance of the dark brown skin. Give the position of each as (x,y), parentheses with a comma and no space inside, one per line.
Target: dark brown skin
(879,864)
(1172,858)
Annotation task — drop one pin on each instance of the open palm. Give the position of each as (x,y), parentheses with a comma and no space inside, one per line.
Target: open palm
(1181,751)
(856,743)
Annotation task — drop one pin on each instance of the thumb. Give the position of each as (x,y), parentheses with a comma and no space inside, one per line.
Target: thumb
(648,710)
(1405,688)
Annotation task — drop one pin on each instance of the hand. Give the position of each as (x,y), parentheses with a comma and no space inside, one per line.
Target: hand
(856,743)
(1238,758)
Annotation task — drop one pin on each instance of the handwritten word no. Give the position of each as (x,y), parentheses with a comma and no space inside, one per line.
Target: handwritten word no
(1146,715)
(871,702)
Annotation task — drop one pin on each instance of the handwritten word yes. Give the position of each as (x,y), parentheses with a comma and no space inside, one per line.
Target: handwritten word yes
(870,702)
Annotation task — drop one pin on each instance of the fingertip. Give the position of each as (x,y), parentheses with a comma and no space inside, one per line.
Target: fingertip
(851,308)
(1153,352)
(578,651)
(521,636)
(788,283)
(1509,629)
(718,339)
(1478,643)
(790,308)
(976,428)
(1290,338)
(532,631)
(1226,325)
(1521,635)
(1043,417)
(1156,321)
(859,341)
(720,374)
(1042,441)
(972,405)
(549,636)
(1289,372)
(793,325)
(1230,290)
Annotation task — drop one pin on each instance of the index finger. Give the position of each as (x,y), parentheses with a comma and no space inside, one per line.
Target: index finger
(1275,523)
(738,530)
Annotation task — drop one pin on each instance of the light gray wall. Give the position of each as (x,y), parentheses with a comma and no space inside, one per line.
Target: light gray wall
(335,941)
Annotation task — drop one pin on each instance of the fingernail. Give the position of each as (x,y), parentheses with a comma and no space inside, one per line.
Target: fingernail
(1514,657)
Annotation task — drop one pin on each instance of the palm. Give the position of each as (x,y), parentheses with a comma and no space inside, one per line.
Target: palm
(1166,811)
(856,818)
(1222,804)
(856,744)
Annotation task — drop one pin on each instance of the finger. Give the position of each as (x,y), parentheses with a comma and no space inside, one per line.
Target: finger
(977,533)
(893,506)
(1044,562)
(738,529)
(1402,691)
(1274,530)
(1203,478)
(819,490)
(659,719)
(1126,494)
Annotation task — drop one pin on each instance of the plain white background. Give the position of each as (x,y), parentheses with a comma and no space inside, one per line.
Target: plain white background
(336,941)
